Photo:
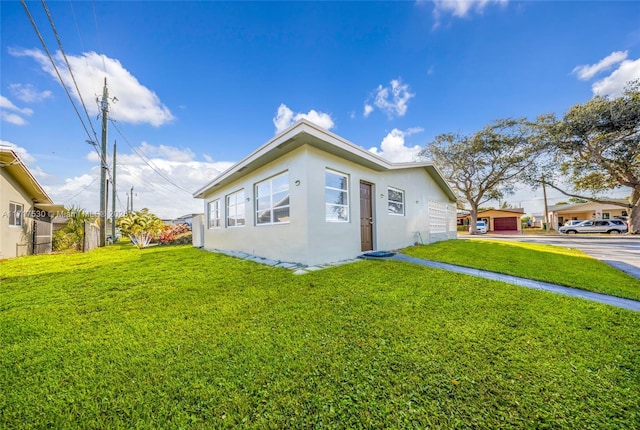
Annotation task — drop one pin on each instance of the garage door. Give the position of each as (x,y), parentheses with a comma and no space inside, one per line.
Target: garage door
(509,223)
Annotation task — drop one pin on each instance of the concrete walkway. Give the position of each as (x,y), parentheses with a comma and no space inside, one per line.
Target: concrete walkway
(522,282)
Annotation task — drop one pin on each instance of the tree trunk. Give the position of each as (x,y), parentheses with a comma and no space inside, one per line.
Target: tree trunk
(634,216)
(474,220)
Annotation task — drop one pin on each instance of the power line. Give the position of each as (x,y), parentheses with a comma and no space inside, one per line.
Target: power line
(73,13)
(149,163)
(55,67)
(82,190)
(95,19)
(66,60)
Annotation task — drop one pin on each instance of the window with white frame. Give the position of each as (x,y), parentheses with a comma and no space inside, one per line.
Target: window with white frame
(272,200)
(235,209)
(606,215)
(336,196)
(16,214)
(215,219)
(396,201)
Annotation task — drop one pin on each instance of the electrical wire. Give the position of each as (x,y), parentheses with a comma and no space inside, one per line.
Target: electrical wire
(95,19)
(73,13)
(55,67)
(82,190)
(66,60)
(148,162)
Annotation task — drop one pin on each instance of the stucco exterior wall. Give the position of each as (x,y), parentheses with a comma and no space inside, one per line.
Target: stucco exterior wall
(308,238)
(14,240)
(285,242)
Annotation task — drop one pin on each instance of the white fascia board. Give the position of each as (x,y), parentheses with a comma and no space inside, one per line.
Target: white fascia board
(286,141)
(305,132)
(255,155)
(23,176)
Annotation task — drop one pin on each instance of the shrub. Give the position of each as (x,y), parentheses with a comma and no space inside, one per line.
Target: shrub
(142,227)
(175,235)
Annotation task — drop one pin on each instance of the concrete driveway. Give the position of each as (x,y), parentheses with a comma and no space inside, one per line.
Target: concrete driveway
(621,252)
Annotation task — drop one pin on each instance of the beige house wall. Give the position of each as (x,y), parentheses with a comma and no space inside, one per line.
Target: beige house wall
(14,240)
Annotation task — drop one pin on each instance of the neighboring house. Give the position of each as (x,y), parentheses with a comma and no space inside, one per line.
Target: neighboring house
(559,214)
(309,196)
(25,224)
(462,217)
(537,220)
(500,220)
(184,219)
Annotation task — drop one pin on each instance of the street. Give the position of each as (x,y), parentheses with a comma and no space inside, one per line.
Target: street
(622,252)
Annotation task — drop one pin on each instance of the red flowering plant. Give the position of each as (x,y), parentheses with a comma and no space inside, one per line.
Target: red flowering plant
(173,232)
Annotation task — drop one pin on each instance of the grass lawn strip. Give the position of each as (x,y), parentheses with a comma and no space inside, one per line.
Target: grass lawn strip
(178,337)
(548,263)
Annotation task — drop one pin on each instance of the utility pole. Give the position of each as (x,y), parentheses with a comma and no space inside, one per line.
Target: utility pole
(113,200)
(131,199)
(104,106)
(546,208)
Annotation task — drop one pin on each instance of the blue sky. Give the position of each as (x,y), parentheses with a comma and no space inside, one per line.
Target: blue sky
(201,85)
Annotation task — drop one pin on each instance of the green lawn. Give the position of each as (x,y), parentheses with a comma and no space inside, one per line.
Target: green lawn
(176,337)
(563,266)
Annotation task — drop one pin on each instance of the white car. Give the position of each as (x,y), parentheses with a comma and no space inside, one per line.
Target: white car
(481,227)
(611,226)
(573,222)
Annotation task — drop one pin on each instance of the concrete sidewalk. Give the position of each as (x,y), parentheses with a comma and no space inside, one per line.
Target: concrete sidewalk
(522,282)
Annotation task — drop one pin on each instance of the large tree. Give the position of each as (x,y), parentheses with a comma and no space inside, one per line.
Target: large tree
(597,149)
(487,164)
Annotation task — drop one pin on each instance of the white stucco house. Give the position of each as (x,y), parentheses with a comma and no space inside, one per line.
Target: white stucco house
(309,196)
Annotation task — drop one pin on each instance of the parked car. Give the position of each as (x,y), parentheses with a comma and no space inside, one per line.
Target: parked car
(573,222)
(611,226)
(481,227)
(623,218)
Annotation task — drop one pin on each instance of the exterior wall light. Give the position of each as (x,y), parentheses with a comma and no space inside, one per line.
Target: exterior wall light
(297,183)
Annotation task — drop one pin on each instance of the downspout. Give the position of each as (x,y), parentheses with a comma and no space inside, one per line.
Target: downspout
(33,236)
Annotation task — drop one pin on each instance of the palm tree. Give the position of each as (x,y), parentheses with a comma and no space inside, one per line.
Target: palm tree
(141,227)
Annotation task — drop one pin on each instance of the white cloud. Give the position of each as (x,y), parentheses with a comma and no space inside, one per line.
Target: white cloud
(460,8)
(393,146)
(392,99)
(614,84)
(12,118)
(150,188)
(12,113)
(285,118)
(367,110)
(588,71)
(136,103)
(169,152)
(28,93)
(22,152)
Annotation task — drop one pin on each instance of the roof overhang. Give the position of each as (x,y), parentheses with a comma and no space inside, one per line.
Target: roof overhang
(307,133)
(11,163)
(50,207)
